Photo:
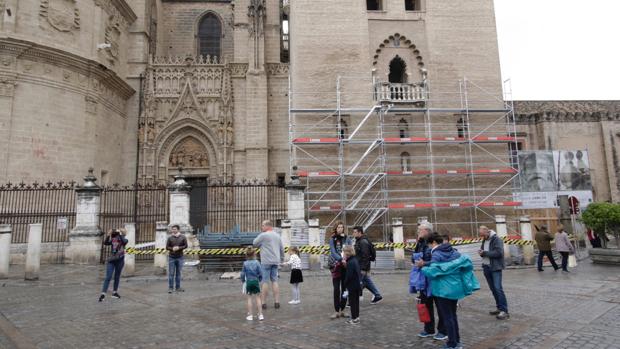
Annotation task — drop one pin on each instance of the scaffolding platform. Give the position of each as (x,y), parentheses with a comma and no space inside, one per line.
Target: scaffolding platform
(449,157)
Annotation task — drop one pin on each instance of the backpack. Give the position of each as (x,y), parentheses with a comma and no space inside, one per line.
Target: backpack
(373,251)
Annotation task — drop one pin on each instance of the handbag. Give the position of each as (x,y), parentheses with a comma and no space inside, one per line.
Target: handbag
(423,313)
(572,261)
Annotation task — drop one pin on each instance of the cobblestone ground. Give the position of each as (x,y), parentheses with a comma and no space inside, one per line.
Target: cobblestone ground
(548,310)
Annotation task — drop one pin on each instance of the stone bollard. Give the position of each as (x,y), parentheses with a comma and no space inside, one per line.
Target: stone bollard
(161,236)
(5,250)
(33,254)
(314,239)
(397,234)
(502,232)
(525,226)
(130,259)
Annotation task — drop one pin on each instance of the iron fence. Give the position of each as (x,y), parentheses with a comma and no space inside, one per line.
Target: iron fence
(51,204)
(143,204)
(241,206)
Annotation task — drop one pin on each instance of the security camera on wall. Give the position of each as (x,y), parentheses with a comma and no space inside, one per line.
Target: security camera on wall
(103,46)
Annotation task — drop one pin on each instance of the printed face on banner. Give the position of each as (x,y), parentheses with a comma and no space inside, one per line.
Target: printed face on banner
(537,171)
(547,174)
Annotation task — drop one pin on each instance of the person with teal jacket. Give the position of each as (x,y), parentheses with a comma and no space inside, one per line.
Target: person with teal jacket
(451,276)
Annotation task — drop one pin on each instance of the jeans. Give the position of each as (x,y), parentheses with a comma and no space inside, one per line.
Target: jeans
(175,264)
(447,310)
(429,327)
(339,302)
(549,255)
(354,302)
(494,279)
(564,260)
(367,282)
(113,267)
(270,272)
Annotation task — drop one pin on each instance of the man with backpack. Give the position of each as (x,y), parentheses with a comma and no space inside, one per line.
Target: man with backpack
(366,253)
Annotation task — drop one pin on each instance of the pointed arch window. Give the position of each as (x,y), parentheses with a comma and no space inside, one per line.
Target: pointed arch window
(398,71)
(210,36)
(405,162)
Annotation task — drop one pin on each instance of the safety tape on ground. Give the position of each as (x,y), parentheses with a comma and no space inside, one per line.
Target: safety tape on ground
(311,249)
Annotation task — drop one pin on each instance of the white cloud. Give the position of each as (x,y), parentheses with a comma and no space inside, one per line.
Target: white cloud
(560,49)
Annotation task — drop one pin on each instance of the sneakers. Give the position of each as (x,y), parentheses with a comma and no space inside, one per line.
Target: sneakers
(170,291)
(440,337)
(249,318)
(116,295)
(565,271)
(261,317)
(494,312)
(180,290)
(376,299)
(276,305)
(353,321)
(503,315)
(102,297)
(334,316)
(425,334)
(294,302)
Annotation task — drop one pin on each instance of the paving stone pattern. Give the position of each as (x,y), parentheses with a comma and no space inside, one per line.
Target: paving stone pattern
(548,310)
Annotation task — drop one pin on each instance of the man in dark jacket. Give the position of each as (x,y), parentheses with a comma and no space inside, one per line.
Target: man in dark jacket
(492,253)
(543,241)
(175,245)
(363,253)
(424,231)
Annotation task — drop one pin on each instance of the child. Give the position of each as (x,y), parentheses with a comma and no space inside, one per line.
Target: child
(251,275)
(296,276)
(352,282)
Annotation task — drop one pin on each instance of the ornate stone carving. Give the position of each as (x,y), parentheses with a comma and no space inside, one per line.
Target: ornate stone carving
(238,70)
(256,13)
(62,15)
(557,116)
(277,69)
(398,40)
(119,10)
(7,61)
(189,153)
(112,36)
(91,104)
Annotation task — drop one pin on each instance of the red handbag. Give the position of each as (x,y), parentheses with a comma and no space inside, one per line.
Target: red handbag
(423,313)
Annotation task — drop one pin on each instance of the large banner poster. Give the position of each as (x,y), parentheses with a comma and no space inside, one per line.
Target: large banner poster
(547,174)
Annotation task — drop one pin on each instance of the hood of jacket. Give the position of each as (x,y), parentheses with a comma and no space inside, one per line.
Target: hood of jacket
(444,253)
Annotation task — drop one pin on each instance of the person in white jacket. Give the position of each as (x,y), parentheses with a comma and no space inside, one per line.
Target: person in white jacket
(296,276)
(563,246)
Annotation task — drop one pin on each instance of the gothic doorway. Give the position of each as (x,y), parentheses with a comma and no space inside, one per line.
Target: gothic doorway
(198,202)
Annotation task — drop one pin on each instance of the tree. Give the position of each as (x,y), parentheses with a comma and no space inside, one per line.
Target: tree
(603,218)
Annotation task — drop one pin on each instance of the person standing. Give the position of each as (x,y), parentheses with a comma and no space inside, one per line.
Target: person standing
(271,255)
(563,246)
(116,262)
(353,283)
(452,278)
(296,275)
(175,245)
(492,253)
(543,241)
(251,275)
(337,242)
(364,252)
(424,231)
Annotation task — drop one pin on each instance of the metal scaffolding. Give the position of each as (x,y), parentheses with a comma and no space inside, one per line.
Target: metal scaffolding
(410,150)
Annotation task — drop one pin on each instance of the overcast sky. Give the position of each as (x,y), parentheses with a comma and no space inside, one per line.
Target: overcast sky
(560,49)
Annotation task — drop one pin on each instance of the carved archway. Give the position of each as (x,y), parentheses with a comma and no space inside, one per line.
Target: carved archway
(184,138)
(399,41)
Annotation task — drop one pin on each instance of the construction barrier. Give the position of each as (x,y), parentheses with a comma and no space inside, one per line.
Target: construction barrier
(313,249)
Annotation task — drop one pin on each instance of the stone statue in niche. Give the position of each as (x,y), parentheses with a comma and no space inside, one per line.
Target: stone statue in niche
(229,133)
(150,133)
(220,131)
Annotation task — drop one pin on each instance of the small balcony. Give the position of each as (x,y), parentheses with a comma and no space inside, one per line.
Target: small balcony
(400,92)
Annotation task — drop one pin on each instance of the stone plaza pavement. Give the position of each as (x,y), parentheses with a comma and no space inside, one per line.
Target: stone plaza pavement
(580,310)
